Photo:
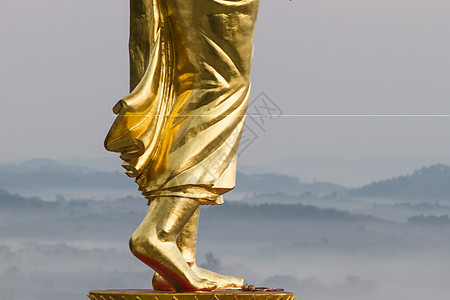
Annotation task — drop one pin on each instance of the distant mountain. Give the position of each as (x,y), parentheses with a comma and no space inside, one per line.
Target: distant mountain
(427,183)
(43,173)
(42,164)
(429,220)
(43,177)
(109,163)
(276,183)
(9,202)
(47,178)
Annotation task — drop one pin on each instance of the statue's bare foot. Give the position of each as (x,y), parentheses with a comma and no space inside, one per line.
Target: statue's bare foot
(160,284)
(223,282)
(204,285)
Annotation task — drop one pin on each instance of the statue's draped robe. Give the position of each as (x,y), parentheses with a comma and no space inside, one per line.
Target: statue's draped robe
(178,130)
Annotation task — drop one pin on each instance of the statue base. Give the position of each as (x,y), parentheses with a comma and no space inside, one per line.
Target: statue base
(214,295)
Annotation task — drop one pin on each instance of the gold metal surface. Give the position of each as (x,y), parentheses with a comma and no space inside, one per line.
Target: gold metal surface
(151,295)
(179,129)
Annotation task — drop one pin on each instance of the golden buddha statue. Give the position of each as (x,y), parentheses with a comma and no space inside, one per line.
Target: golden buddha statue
(178,130)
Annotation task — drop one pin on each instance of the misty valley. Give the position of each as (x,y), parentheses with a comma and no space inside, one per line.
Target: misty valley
(386,240)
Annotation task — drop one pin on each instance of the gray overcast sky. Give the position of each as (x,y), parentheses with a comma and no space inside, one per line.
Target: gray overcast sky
(64,64)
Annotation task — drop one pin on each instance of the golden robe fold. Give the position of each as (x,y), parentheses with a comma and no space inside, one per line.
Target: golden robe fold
(178,131)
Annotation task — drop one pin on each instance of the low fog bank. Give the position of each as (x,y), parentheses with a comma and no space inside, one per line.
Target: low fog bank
(52,271)
(393,209)
(64,248)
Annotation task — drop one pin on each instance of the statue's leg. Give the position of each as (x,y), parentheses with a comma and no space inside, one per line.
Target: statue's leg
(187,243)
(154,242)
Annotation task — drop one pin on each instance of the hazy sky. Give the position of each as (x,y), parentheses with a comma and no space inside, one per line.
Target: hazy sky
(64,64)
